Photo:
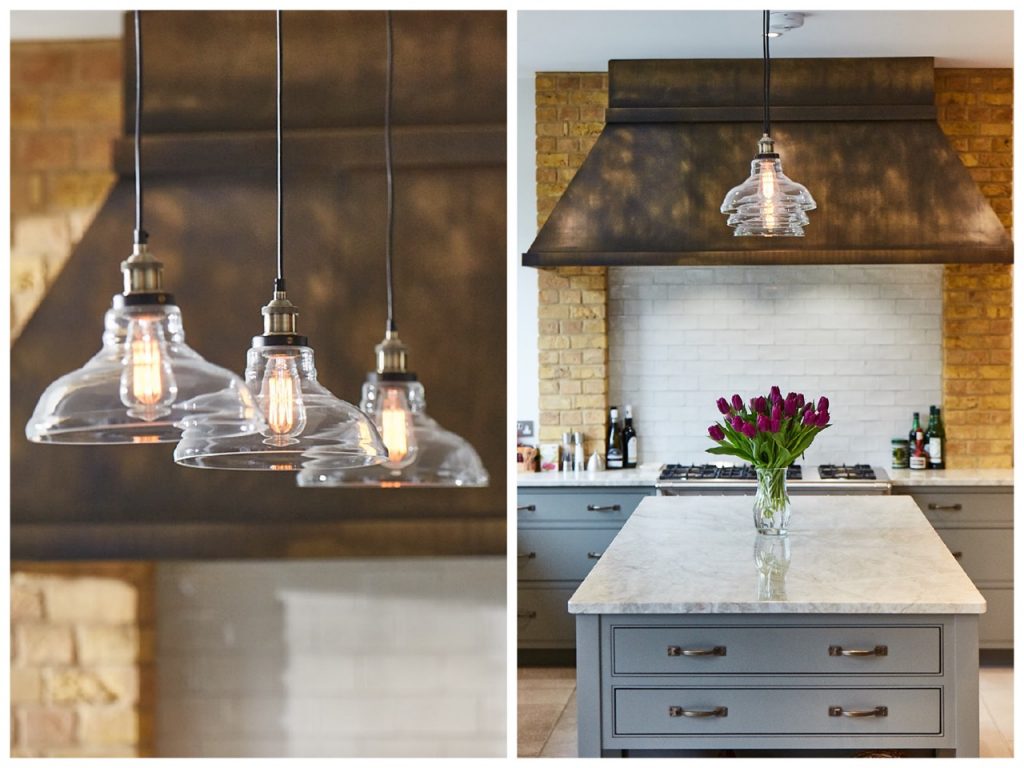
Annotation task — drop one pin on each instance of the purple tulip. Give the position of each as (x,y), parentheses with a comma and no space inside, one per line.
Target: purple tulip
(774,425)
(823,404)
(822,419)
(716,432)
(791,395)
(790,406)
(748,429)
(737,423)
(775,394)
(757,404)
(809,417)
(800,400)
(737,402)
(723,406)
(777,412)
(762,423)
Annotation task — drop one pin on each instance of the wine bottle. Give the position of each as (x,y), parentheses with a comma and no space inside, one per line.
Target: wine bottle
(613,451)
(918,457)
(913,430)
(630,443)
(934,438)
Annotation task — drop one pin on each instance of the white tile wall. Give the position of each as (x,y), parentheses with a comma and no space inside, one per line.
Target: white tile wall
(868,337)
(332,658)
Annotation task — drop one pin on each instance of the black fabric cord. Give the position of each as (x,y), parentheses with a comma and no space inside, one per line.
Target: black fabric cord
(767,77)
(389,233)
(141,236)
(279,284)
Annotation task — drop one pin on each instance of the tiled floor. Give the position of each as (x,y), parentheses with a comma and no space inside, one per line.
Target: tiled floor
(547,711)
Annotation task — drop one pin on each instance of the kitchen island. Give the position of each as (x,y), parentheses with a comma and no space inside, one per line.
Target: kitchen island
(858,631)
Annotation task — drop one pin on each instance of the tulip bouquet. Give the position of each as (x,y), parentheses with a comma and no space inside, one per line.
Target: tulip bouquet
(769,434)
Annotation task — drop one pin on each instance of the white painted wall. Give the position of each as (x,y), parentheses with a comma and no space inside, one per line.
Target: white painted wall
(332,658)
(868,337)
(526,284)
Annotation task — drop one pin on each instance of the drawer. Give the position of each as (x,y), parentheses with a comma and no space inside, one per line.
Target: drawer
(985,554)
(776,711)
(591,506)
(963,508)
(543,616)
(767,650)
(995,626)
(560,554)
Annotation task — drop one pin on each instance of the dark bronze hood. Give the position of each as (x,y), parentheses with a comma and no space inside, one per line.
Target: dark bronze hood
(860,134)
(210,210)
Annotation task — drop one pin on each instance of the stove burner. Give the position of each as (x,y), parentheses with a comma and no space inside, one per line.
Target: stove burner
(711,472)
(845,472)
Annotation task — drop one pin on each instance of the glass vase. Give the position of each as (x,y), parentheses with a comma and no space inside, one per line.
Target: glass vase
(771,502)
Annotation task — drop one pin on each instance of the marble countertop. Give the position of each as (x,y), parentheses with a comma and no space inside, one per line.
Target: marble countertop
(844,554)
(963,477)
(644,475)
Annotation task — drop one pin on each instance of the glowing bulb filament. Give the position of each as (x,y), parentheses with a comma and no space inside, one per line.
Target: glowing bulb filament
(147,382)
(280,400)
(148,387)
(769,191)
(397,428)
(281,403)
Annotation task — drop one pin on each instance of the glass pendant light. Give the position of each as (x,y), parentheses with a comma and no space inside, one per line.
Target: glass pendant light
(303,421)
(421,453)
(145,380)
(768,204)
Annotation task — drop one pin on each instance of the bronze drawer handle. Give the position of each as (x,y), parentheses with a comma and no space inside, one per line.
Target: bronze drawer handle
(681,712)
(958,554)
(594,555)
(527,615)
(946,507)
(605,508)
(527,555)
(878,650)
(840,712)
(675,650)
(526,508)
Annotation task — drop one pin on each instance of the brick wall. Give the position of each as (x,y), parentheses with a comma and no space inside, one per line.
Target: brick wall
(65,112)
(573,334)
(81,663)
(975,111)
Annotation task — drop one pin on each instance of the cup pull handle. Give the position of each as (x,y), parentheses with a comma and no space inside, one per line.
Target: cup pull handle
(594,555)
(675,650)
(603,508)
(958,554)
(527,555)
(840,712)
(946,507)
(526,508)
(878,650)
(527,615)
(683,712)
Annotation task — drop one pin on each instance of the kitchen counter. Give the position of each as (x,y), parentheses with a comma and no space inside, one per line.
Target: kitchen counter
(857,631)
(951,477)
(644,475)
(847,554)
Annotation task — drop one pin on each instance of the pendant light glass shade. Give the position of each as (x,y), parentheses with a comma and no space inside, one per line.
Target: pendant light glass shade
(769,203)
(302,422)
(422,454)
(140,387)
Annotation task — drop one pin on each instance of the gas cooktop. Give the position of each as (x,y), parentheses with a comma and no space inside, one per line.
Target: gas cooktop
(682,474)
(714,472)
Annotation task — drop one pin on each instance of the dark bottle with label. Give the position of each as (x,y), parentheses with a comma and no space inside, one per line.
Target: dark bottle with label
(935,438)
(913,430)
(613,450)
(630,443)
(918,456)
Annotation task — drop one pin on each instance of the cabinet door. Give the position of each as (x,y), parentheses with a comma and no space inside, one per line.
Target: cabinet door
(578,505)
(560,554)
(985,554)
(962,507)
(543,618)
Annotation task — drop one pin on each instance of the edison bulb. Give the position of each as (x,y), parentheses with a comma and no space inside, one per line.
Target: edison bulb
(280,400)
(396,428)
(769,191)
(147,387)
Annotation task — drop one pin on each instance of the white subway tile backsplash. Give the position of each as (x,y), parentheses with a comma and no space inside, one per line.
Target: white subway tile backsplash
(383,657)
(869,337)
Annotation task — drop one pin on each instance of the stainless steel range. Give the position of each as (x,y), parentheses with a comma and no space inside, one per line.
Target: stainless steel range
(726,479)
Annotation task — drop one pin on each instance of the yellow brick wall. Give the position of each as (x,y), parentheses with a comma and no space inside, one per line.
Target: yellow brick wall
(82,642)
(975,109)
(976,112)
(65,113)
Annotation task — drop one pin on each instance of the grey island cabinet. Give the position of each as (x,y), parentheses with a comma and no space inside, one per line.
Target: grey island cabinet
(856,632)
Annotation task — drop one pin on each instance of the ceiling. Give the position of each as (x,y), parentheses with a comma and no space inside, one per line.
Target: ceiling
(581,41)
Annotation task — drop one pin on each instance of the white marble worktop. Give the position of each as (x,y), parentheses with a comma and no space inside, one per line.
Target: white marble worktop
(847,554)
(950,477)
(644,475)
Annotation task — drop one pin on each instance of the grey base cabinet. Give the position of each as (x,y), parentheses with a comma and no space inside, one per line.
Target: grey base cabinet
(562,533)
(976,524)
(655,684)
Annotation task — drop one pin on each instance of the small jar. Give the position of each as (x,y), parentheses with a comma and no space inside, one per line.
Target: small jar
(900,453)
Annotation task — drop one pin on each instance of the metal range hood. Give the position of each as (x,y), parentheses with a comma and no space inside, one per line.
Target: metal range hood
(860,134)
